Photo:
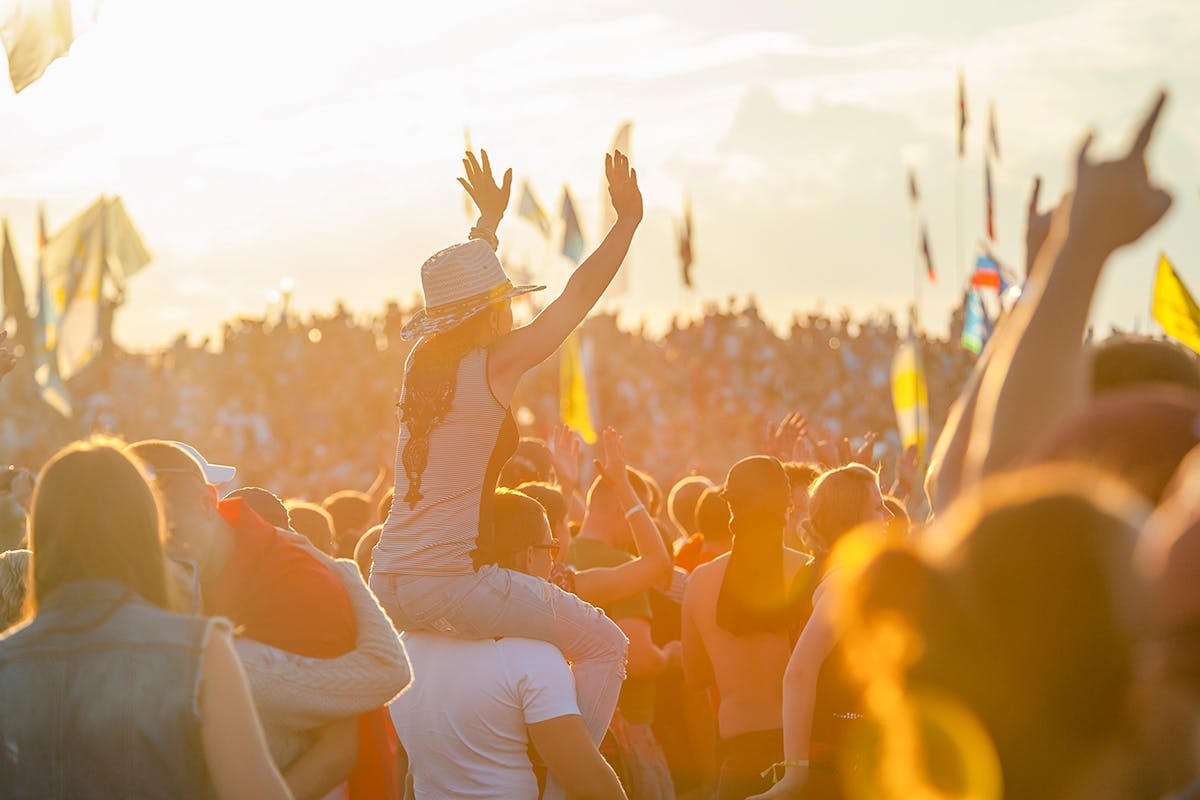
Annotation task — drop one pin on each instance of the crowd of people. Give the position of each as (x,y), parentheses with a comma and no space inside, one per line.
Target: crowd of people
(726,597)
(260,396)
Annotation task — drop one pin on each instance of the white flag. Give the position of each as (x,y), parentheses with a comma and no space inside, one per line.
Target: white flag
(34,33)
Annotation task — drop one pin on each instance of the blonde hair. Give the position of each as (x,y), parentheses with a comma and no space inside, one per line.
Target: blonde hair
(838,498)
(95,516)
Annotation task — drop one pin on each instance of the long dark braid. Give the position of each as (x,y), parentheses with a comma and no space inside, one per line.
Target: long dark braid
(429,386)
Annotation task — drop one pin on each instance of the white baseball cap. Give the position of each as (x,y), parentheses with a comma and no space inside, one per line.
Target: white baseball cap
(215,474)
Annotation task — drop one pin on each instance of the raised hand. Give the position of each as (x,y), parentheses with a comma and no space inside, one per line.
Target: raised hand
(564,454)
(623,188)
(491,199)
(1115,201)
(1037,227)
(612,468)
(824,449)
(864,454)
(784,439)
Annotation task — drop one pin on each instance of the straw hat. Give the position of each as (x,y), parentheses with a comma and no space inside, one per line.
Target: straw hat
(459,282)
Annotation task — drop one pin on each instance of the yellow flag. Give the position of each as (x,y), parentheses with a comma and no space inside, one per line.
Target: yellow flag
(910,397)
(575,407)
(1174,307)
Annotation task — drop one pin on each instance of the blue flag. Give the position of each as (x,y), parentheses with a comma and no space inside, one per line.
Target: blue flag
(572,246)
(977,328)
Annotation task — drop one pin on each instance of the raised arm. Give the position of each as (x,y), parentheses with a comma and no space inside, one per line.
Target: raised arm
(948,462)
(524,348)
(1038,375)
(604,585)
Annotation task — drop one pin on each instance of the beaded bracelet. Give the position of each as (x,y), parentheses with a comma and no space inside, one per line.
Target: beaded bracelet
(773,770)
(488,236)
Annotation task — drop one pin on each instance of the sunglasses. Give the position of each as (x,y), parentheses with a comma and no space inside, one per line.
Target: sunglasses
(554,546)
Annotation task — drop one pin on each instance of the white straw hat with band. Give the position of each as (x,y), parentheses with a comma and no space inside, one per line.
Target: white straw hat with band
(459,282)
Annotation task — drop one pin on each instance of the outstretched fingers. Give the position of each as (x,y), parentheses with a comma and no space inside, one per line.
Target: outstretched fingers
(1146,131)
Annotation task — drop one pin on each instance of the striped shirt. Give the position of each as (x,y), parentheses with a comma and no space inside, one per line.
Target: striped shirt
(466,452)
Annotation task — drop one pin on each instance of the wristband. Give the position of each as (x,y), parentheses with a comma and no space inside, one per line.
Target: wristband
(639,507)
(773,771)
(490,237)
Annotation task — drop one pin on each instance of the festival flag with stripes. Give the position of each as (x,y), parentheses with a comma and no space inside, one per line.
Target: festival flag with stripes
(572,244)
(575,404)
(977,326)
(75,259)
(1174,307)
(910,396)
(530,209)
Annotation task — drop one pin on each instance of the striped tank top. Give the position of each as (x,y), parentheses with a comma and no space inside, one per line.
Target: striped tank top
(454,518)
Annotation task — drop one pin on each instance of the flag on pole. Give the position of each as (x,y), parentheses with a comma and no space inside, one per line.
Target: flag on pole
(15,307)
(685,242)
(928,256)
(1174,307)
(572,245)
(993,135)
(962,115)
(34,33)
(126,252)
(989,210)
(575,408)
(74,264)
(987,273)
(45,334)
(914,195)
(977,326)
(530,209)
(910,396)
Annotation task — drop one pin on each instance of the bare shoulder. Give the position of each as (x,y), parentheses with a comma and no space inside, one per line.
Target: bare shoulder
(712,571)
(706,578)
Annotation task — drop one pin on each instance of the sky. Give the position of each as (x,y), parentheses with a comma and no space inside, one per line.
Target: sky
(261,141)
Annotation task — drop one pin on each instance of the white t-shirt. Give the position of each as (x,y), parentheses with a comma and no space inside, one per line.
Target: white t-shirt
(462,720)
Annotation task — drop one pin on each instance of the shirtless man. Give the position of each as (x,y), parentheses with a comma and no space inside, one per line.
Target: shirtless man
(740,613)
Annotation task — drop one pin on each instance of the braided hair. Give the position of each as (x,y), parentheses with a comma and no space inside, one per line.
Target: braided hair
(430,382)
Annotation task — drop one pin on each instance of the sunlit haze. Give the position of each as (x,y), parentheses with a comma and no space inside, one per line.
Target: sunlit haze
(255,141)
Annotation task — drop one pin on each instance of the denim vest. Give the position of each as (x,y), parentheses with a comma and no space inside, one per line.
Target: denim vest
(99,699)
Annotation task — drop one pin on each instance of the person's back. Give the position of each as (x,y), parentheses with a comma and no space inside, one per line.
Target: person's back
(435,533)
(747,670)
(464,719)
(99,697)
